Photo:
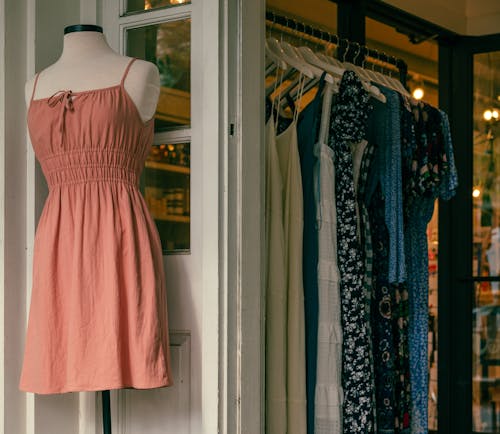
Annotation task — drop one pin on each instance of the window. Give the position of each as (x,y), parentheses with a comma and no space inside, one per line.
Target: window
(163,37)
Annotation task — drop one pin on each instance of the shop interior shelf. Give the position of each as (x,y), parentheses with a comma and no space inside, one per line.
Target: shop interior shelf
(172,218)
(168,167)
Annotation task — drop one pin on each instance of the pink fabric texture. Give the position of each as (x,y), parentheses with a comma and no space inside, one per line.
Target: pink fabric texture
(98,313)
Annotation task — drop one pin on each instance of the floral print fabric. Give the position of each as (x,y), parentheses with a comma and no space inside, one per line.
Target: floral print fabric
(428,172)
(349,116)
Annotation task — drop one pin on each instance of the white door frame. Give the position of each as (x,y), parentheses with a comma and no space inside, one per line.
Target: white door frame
(243,294)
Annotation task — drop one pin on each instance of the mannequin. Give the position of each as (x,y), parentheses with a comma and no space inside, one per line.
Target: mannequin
(87,62)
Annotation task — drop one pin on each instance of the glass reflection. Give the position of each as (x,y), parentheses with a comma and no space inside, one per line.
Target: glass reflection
(165,185)
(486,248)
(168,46)
(144,5)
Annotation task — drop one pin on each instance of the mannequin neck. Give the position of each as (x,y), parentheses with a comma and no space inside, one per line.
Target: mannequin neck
(82,45)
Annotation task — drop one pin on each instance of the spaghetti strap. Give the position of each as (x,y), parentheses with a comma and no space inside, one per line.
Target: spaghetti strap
(34,86)
(127,69)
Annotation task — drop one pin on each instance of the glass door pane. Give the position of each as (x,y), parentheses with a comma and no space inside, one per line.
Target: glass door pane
(165,181)
(486,247)
(168,46)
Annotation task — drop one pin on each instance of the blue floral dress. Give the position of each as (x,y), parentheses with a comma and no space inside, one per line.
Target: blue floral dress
(428,173)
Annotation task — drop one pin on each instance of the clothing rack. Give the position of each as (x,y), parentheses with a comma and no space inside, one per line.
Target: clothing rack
(362,51)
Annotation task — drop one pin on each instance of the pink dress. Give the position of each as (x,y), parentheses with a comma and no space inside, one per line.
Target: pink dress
(98,315)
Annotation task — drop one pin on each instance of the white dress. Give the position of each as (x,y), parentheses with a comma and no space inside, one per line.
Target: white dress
(293,227)
(276,297)
(328,394)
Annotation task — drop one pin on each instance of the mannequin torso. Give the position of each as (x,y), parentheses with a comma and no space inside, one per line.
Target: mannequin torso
(89,63)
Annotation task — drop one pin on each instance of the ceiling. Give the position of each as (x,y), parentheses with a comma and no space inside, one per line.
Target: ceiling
(466,17)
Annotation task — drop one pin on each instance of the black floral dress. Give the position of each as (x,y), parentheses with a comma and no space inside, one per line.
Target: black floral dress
(382,317)
(349,116)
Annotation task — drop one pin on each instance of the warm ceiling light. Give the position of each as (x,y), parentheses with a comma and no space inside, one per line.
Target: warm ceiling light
(494,113)
(177,2)
(488,115)
(418,93)
(476,192)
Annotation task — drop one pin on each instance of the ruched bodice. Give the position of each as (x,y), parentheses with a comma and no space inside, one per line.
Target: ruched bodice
(89,136)
(98,317)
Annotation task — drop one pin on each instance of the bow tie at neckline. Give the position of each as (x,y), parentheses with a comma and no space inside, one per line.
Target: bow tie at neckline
(64,97)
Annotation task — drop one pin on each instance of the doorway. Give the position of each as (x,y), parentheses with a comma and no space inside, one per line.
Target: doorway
(456,74)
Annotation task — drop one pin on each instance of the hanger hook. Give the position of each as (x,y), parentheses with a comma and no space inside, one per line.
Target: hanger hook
(391,62)
(375,57)
(282,30)
(346,49)
(384,70)
(357,52)
(305,32)
(272,24)
(321,38)
(361,48)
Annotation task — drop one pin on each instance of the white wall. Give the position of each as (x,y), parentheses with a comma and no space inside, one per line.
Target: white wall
(30,39)
(13,207)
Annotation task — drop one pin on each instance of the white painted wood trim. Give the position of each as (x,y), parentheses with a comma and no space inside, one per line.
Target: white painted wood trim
(225,372)
(122,414)
(245,250)
(206,48)
(2,209)
(87,413)
(88,12)
(156,16)
(30,197)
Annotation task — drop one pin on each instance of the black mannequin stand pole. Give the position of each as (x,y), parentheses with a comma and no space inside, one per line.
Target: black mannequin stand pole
(106,413)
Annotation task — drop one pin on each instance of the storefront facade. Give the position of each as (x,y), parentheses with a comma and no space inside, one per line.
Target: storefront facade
(215,282)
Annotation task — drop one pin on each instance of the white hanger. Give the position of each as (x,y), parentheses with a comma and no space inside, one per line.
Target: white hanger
(294,51)
(311,57)
(374,91)
(378,77)
(301,66)
(276,59)
(389,82)
(340,68)
(351,66)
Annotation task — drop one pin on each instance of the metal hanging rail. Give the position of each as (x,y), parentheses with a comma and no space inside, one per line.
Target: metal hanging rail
(362,51)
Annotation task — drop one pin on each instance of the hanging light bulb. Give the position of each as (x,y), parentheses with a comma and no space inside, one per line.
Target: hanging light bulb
(491,114)
(476,192)
(418,93)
